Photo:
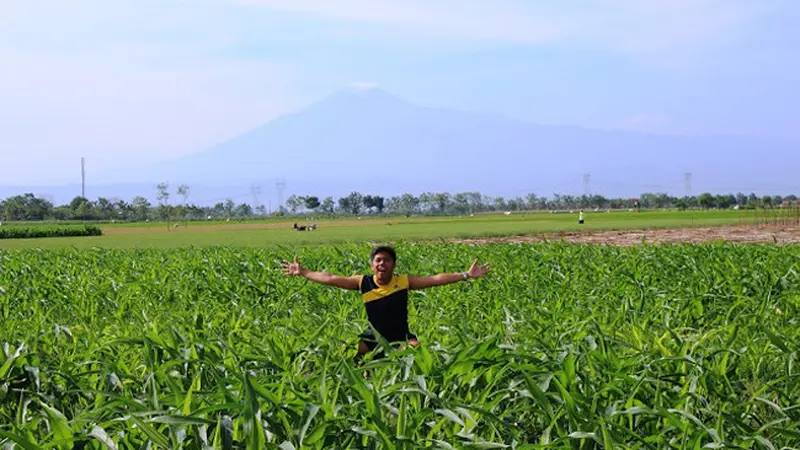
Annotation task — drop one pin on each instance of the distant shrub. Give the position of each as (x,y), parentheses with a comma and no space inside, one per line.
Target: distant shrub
(23,232)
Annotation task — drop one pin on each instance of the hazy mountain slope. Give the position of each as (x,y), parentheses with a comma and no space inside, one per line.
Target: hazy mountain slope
(372,140)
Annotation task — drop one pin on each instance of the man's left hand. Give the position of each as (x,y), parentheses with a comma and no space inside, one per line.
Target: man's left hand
(476,271)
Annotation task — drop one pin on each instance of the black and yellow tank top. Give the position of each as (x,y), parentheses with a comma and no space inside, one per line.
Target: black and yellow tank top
(387,306)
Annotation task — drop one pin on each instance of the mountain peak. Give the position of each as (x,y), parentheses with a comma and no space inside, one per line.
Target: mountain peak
(361,86)
(360,95)
(362,133)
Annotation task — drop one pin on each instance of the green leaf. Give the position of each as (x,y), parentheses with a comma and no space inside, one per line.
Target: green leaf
(20,440)
(101,435)
(60,426)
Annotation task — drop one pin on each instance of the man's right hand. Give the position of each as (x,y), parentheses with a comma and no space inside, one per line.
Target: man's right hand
(295,269)
(292,268)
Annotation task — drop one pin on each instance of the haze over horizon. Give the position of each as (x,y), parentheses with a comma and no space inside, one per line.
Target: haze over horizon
(135,83)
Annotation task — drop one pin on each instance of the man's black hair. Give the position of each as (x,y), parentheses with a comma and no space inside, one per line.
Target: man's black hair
(383,249)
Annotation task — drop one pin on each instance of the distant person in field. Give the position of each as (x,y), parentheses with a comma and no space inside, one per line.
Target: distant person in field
(580,218)
(385,294)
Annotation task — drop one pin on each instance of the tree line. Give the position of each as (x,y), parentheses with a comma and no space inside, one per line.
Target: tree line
(28,207)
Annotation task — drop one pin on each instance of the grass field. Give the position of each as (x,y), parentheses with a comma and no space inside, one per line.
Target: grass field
(563,346)
(280,232)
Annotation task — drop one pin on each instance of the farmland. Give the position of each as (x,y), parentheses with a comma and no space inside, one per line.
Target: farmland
(563,346)
(276,232)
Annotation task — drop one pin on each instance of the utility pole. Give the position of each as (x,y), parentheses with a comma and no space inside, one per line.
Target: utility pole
(255,190)
(586,178)
(83,178)
(687,184)
(281,185)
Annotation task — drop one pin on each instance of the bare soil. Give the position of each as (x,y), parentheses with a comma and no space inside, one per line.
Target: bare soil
(746,234)
(235,226)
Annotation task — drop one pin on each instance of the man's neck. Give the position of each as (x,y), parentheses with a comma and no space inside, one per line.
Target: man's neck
(385,282)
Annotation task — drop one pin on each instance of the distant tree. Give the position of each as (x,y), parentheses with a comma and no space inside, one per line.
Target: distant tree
(62,212)
(461,203)
(228,207)
(25,207)
(408,204)
(311,202)
(598,201)
(243,210)
(327,205)
(294,202)
(370,203)
(721,201)
(753,201)
(442,201)
(741,199)
(515,204)
(162,192)
(105,209)
(706,200)
(499,204)
(162,196)
(352,203)
(427,202)
(81,208)
(218,209)
(366,201)
(76,202)
(373,202)
(379,203)
(29,207)
(343,204)
(531,201)
(141,208)
(122,210)
(183,190)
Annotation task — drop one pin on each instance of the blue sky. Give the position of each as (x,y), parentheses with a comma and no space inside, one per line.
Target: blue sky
(131,81)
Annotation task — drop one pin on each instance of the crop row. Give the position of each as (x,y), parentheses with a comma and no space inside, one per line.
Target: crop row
(41,231)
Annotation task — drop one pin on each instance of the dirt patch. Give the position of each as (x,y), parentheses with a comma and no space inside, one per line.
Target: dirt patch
(748,234)
(111,231)
(235,226)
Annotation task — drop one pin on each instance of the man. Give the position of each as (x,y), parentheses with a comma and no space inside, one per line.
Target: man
(385,294)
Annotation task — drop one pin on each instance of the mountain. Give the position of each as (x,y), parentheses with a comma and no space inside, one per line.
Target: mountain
(375,142)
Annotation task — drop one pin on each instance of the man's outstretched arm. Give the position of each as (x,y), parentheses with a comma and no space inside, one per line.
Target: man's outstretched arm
(475,271)
(329,279)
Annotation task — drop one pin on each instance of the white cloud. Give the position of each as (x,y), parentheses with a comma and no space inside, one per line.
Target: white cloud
(633,27)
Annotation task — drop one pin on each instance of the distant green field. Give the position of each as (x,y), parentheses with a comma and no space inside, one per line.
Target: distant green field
(279,232)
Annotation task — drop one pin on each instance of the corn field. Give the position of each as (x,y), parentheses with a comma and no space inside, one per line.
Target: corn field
(562,346)
(785,216)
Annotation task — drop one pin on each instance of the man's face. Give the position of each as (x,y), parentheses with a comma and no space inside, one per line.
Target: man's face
(382,265)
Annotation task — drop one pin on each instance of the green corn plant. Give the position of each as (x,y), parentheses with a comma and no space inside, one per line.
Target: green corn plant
(562,346)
